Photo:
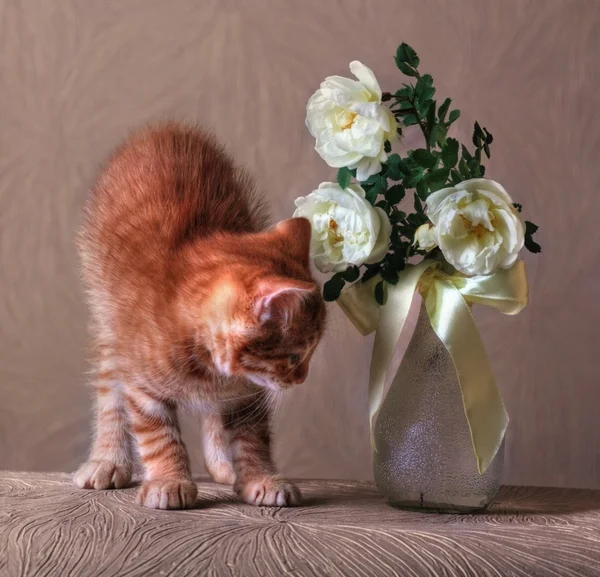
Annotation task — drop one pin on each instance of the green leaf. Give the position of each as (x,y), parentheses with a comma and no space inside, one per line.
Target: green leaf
(530,228)
(415,177)
(384,205)
(351,274)
(439,175)
(518,206)
(422,189)
(404,109)
(409,120)
(416,220)
(372,179)
(424,158)
(333,287)
(488,136)
(405,93)
(393,167)
(397,217)
(466,154)
(395,194)
(399,255)
(406,69)
(424,106)
(428,94)
(418,205)
(478,135)
(444,109)
(378,187)
(456,177)
(474,166)
(394,173)
(371,195)
(372,270)
(381,184)
(424,89)
(437,185)
(454,116)
(422,84)
(397,169)
(438,135)
(450,153)
(486,149)
(387,146)
(389,273)
(436,180)
(344,176)
(530,244)
(405,53)
(379,292)
(464,169)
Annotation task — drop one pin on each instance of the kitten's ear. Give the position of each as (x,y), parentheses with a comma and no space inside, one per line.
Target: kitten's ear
(296,234)
(278,297)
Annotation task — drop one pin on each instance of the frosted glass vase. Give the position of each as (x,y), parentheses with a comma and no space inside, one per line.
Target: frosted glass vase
(424,456)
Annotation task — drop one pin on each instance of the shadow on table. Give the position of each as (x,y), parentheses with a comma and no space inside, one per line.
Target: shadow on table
(543,501)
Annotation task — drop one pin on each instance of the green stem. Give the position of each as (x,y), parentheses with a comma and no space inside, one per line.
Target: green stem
(419,117)
(408,250)
(422,126)
(420,121)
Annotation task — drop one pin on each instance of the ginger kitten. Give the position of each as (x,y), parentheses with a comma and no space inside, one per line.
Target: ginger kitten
(192,303)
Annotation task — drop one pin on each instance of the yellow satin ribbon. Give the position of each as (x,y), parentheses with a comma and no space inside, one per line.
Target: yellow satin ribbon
(448,300)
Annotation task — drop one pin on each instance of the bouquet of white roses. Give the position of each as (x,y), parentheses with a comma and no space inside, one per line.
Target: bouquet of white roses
(458,247)
(461,219)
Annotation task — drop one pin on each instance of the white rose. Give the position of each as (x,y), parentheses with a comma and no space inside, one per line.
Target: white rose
(350,123)
(425,237)
(476,226)
(346,229)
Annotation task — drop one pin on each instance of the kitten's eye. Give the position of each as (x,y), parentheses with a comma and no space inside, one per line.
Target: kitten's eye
(294,358)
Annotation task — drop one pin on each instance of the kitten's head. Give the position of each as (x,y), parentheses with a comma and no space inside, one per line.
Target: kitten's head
(270,316)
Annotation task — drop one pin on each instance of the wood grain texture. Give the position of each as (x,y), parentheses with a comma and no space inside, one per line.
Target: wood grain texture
(49,528)
(78,75)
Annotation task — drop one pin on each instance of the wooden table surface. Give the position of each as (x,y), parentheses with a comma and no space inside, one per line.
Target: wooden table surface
(50,528)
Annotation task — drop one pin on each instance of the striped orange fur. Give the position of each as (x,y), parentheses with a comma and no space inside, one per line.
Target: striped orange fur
(193,302)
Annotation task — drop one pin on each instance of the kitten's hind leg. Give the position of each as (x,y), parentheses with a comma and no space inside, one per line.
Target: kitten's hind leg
(217,451)
(110,462)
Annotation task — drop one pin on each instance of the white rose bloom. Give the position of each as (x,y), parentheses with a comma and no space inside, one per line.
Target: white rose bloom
(346,229)
(349,122)
(476,226)
(425,237)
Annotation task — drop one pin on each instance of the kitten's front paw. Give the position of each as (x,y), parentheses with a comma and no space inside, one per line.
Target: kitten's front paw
(167,494)
(97,474)
(270,492)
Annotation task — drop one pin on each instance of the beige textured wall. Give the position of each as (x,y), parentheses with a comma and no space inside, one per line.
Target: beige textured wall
(76,75)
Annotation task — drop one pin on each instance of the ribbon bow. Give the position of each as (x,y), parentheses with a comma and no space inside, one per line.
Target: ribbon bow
(448,299)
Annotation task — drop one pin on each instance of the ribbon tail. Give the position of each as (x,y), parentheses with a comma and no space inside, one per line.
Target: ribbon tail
(359,305)
(453,323)
(392,317)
